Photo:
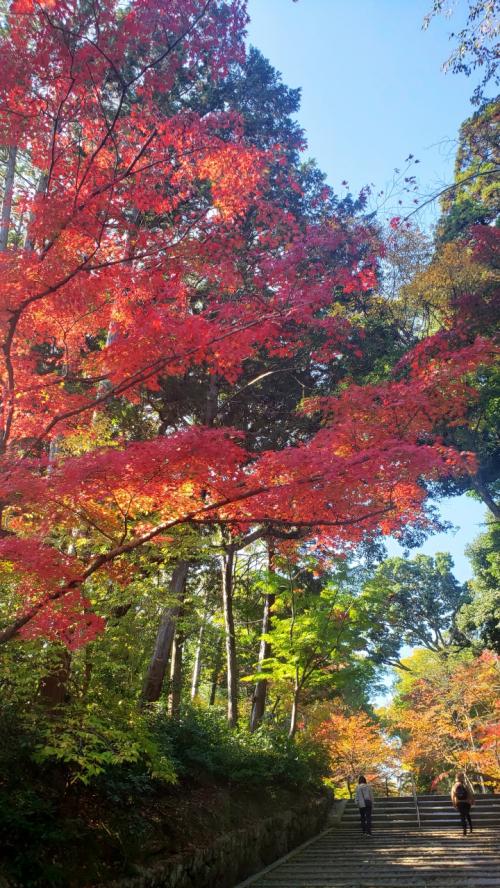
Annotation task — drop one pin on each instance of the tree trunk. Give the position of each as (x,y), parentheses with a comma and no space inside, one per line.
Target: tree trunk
(474,750)
(486,497)
(87,672)
(212,404)
(260,692)
(155,676)
(53,687)
(40,189)
(176,673)
(195,682)
(216,673)
(8,193)
(295,711)
(232,668)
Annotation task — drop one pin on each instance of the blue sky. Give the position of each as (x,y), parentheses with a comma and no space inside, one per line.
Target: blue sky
(372,86)
(372,93)
(468,519)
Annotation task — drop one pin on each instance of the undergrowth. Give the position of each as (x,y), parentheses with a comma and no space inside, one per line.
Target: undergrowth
(79,787)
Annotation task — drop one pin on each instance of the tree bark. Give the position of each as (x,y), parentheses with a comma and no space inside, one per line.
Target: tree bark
(155,676)
(195,682)
(232,667)
(8,194)
(260,692)
(474,750)
(486,497)
(40,189)
(216,673)
(295,711)
(176,674)
(87,673)
(212,404)
(53,687)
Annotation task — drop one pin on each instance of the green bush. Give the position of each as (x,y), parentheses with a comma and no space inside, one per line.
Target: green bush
(29,824)
(74,779)
(201,740)
(83,777)
(91,741)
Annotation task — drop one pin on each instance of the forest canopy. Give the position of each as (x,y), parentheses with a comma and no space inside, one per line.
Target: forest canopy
(223,386)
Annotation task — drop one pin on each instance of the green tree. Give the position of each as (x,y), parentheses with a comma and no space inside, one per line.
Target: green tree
(474,199)
(411,602)
(314,636)
(476,41)
(479,619)
(460,285)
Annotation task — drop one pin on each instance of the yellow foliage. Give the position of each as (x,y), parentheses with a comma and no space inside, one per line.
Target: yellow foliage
(453,273)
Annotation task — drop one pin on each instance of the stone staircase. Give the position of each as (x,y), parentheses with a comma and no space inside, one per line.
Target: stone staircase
(399,854)
(391,813)
(436,812)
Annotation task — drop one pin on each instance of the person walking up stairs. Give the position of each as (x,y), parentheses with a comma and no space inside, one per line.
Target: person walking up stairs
(462,798)
(364,801)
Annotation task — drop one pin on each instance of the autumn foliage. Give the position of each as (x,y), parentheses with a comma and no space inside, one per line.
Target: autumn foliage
(147,244)
(356,745)
(448,720)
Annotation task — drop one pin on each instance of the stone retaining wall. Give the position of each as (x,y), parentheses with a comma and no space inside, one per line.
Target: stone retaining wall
(235,855)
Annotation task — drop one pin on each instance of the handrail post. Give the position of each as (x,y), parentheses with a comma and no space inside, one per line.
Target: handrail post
(400,778)
(415,799)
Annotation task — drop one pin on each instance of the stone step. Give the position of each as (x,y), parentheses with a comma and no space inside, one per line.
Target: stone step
(358,840)
(486,797)
(324,860)
(443,819)
(443,796)
(479,800)
(397,876)
(382,815)
(480,811)
(381,804)
(429,800)
(398,880)
(348,839)
(403,879)
(391,815)
(436,812)
(411,859)
(454,825)
(438,819)
(391,812)
(351,809)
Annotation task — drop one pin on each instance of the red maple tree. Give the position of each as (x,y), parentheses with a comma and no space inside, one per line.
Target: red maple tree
(124,265)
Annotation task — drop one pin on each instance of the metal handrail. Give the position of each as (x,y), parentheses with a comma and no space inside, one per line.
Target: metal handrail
(415,799)
(405,775)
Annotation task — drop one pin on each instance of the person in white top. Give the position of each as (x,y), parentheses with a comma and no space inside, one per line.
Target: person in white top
(364,801)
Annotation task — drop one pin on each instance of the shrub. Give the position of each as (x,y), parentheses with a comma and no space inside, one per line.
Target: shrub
(90,741)
(200,739)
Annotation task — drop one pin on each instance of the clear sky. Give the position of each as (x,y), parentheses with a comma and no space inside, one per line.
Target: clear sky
(468,519)
(372,86)
(372,93)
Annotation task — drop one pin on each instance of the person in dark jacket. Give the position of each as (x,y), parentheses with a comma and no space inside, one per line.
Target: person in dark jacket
(463,798)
